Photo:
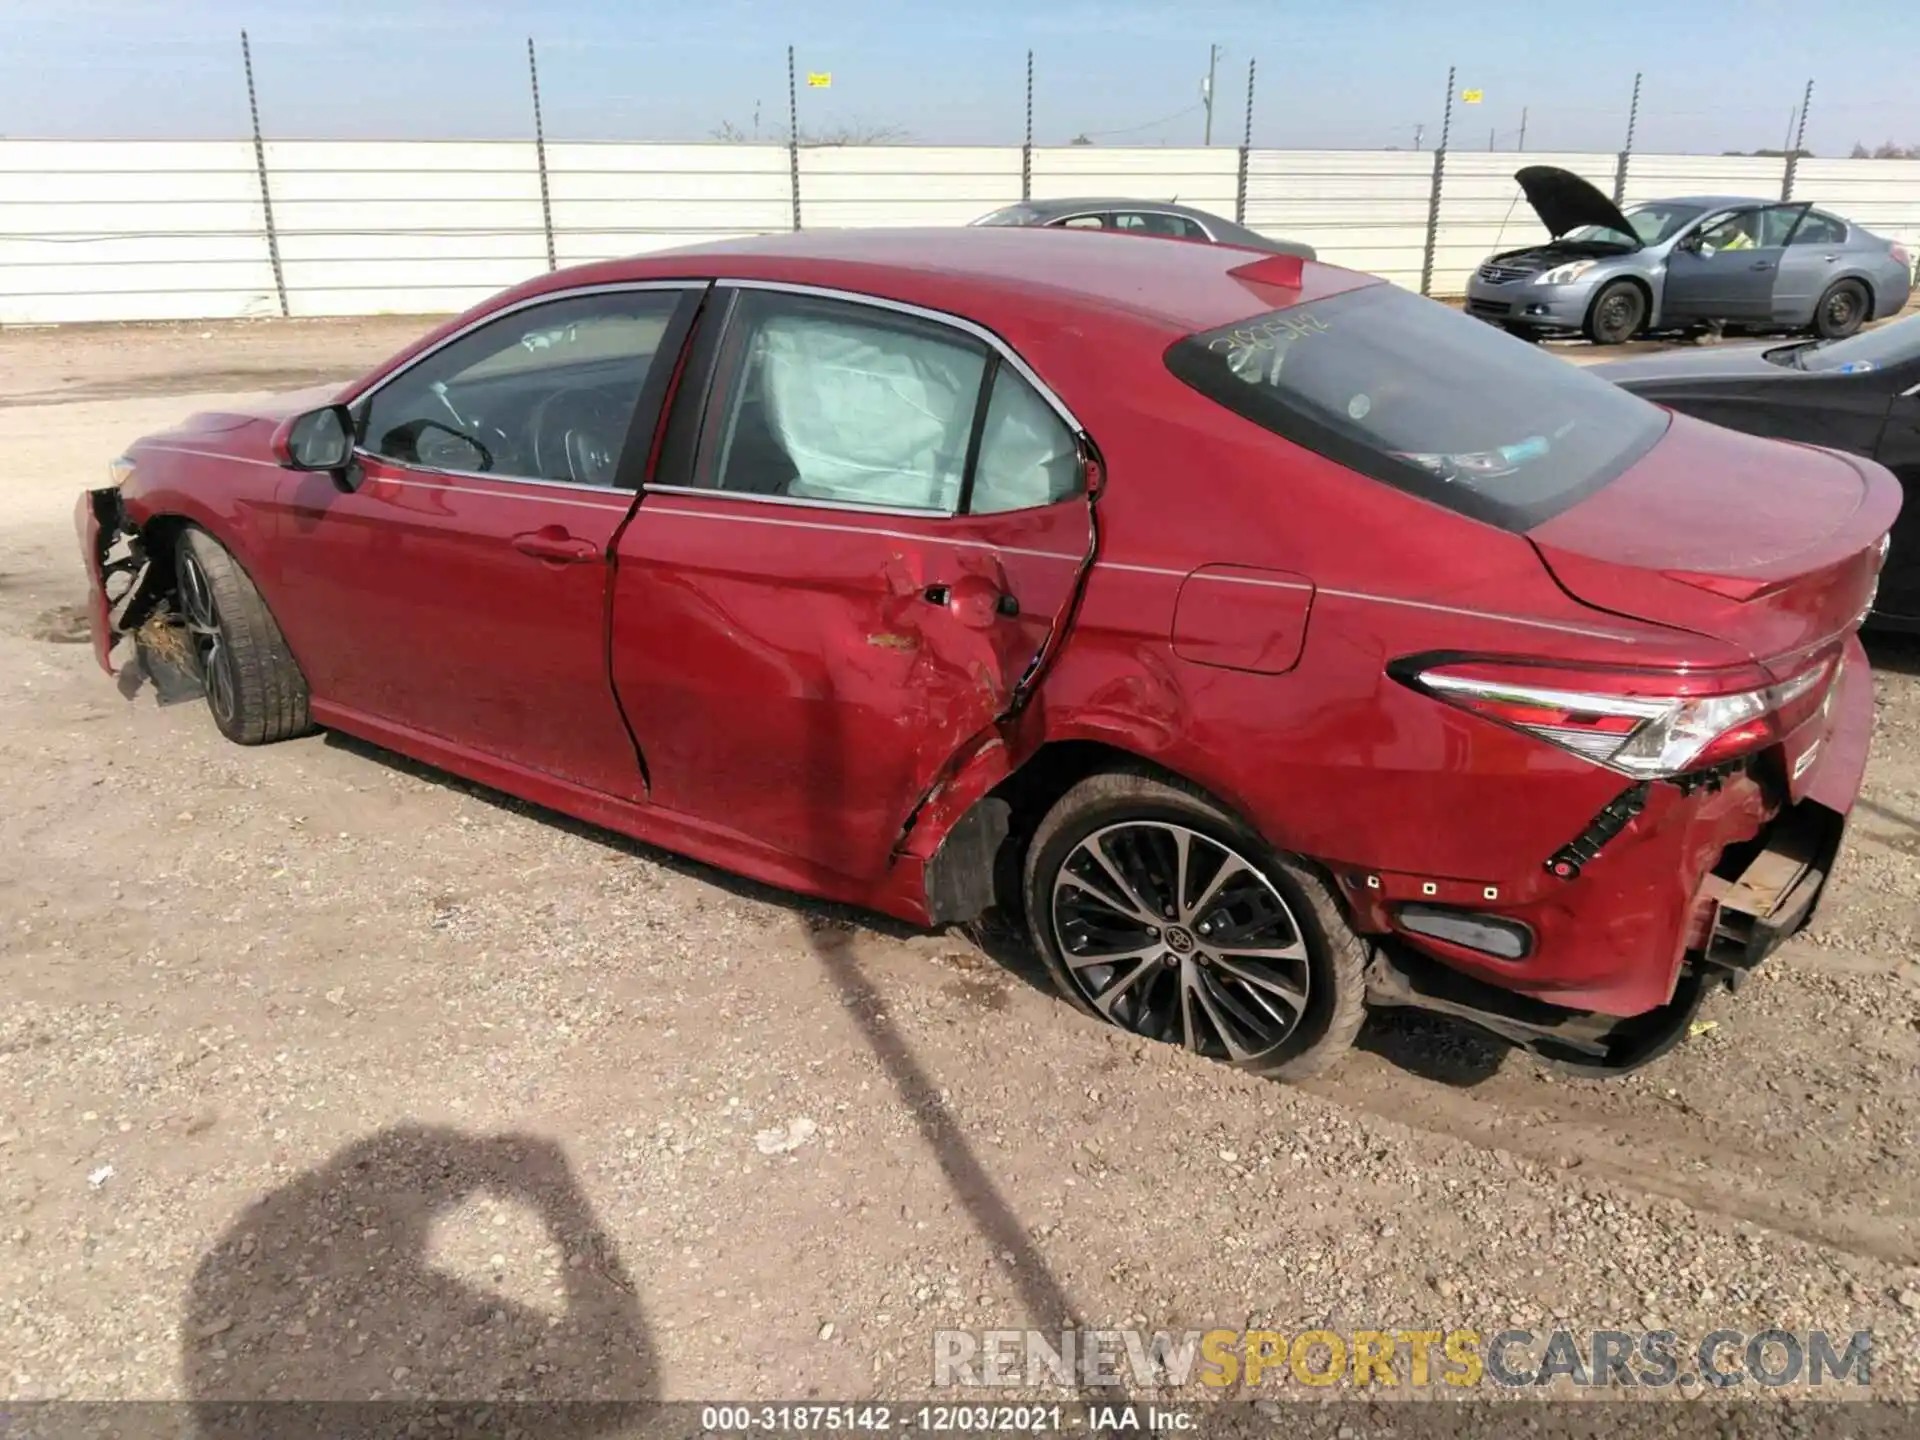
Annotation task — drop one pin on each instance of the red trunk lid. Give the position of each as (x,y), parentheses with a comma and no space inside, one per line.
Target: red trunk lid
(1770,547)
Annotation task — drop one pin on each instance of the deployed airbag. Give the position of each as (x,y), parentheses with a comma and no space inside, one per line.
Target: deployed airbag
(870,416)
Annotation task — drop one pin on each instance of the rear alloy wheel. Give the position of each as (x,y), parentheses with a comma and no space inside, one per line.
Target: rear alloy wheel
(255,691)
(1842,310)
(1617,313)
(1158,913)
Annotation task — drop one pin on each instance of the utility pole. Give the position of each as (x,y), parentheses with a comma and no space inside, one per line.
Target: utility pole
(540,155)
(1433,198)
(1213,60)
(1523,127)
(1418,132)
(1795,145)
(1626,150)
(1492,135)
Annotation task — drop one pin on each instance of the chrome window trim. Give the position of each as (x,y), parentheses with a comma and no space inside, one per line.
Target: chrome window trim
(614,287)
(805,502)
(938,317)
(388,463)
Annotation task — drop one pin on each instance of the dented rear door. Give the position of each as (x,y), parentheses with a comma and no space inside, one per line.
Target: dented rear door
(808,624)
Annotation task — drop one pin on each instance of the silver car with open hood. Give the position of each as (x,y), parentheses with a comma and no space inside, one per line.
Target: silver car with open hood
(1694,262)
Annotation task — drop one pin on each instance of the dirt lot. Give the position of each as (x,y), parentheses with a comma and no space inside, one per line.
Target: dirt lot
(323,1075)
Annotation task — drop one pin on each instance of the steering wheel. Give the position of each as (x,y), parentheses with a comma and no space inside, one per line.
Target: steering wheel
(576,435)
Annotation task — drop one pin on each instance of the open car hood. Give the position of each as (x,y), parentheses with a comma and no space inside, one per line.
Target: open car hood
(1565,202)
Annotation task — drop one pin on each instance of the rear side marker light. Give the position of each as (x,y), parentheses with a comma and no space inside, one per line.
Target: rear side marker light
(1489,934)
(1649,725)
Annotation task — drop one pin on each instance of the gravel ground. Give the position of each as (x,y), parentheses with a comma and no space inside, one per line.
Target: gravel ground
(322,1075)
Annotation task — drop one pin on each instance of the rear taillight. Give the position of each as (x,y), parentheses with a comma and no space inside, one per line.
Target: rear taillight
(1899,253)
(1647,724)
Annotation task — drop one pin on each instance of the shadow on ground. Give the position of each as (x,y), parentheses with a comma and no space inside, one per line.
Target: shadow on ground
(1431,1047)
(326,1290)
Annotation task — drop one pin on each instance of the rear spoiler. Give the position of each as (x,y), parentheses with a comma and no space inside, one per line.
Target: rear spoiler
(1286,271)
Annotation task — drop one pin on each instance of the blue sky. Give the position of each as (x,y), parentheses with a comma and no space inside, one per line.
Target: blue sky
(1363,73)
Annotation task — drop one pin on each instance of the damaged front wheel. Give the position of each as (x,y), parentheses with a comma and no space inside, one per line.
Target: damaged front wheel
(255,691)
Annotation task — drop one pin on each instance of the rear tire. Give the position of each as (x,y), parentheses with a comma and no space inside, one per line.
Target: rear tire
(1617,313)
(1842,310)
(255,691)
(1220,943)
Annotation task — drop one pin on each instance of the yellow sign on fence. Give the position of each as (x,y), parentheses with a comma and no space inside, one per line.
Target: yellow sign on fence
(820,79)
(1472,97)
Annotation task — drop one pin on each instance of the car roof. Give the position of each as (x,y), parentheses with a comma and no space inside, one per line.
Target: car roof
(990,274)
(1715,202)
(1103,202)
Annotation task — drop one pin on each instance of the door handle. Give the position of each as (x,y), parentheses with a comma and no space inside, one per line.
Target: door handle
(552,542)
(973,601)
(1761,265)
(1829,258)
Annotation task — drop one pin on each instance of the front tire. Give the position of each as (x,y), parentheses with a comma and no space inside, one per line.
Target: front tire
(254,690)
(1617,313)
(1159,913)
(1842,310)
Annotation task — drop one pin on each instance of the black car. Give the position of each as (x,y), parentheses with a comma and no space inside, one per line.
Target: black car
(1144,217)
(1861,394)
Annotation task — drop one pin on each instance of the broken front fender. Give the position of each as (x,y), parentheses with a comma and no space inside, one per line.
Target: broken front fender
(122,585)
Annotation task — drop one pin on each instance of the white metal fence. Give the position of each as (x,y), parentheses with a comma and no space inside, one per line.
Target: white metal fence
(157,230)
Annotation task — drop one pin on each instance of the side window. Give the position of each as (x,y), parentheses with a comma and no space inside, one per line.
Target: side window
(1777,222)
(545,393)
(852,404)
(1736,232)
(1818,229)
(1028,457)
(1085,222)
(1159,223)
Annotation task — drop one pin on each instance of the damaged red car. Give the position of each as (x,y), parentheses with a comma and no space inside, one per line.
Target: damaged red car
(1270,641)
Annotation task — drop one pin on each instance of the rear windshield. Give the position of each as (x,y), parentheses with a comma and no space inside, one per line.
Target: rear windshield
(1878,349)
(1012,215)
(1412,393)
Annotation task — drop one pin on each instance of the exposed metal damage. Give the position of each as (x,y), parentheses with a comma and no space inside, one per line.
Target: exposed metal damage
(135,600)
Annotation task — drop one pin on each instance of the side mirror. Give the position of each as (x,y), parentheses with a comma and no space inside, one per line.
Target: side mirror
(318,440)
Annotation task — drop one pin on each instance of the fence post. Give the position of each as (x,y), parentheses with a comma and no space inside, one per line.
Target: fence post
(1246,146)
(1026,149)
(540,153)
(1620,169)
(793,135)
(1793,154)
(1433,200)
(266,193)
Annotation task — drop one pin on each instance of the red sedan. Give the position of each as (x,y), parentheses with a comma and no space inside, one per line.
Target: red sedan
(1274,640)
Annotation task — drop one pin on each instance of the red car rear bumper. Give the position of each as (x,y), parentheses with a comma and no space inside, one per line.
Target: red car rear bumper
(1720,874)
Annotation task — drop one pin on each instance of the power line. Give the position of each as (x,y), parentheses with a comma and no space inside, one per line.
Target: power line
(1149,125)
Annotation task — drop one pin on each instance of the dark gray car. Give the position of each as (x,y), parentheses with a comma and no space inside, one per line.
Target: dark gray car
(1698,261)
(1144,217)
